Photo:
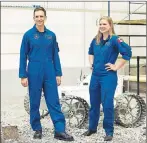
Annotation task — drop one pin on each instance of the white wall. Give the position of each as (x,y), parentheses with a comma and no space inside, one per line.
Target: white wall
(69,30)
(74,29)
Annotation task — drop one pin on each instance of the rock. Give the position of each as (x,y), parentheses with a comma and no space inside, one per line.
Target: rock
(10,133)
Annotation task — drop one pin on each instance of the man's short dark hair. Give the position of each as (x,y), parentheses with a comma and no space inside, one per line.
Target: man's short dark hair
(40,8)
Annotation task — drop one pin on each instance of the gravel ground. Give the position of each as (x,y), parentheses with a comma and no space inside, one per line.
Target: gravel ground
(13,113)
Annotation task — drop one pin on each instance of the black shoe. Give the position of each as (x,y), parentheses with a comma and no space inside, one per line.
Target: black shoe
(89,133)
(108,138)
(63,136)
(38,134)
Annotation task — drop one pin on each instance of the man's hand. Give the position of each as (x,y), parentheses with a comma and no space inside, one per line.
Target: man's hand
(58,78)
(24,82)
(91,66)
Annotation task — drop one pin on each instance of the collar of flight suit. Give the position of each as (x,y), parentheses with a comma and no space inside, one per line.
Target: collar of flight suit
(102,42)
(34,27)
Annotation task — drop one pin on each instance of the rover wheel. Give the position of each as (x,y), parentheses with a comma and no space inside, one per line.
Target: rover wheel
(130,110)
(75,110)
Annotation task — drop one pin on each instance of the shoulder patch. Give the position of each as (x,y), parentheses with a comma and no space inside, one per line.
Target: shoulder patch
(120,40)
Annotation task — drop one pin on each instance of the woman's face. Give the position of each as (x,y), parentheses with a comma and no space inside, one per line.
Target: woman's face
(104,26)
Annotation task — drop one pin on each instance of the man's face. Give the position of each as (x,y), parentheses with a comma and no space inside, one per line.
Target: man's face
(104,26)
(39,18)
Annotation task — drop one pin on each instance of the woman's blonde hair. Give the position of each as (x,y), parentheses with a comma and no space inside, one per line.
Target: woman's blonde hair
(111,32)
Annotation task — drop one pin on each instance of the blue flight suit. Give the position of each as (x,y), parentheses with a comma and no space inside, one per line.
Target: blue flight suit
(103,83)
(41,50)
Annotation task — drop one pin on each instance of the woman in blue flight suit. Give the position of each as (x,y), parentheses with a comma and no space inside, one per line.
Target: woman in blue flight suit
(40,47)
(103,53)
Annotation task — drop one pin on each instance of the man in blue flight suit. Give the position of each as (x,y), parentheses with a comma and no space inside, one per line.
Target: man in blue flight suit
(40,47)
(103,53)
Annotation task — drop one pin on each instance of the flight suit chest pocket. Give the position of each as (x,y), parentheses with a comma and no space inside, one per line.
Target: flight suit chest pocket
(35,43)
(107,48)
(97,50)
(48,41)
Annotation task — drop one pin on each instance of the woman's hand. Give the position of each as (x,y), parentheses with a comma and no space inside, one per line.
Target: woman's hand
(116,67)
(110,66)
(58,79)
